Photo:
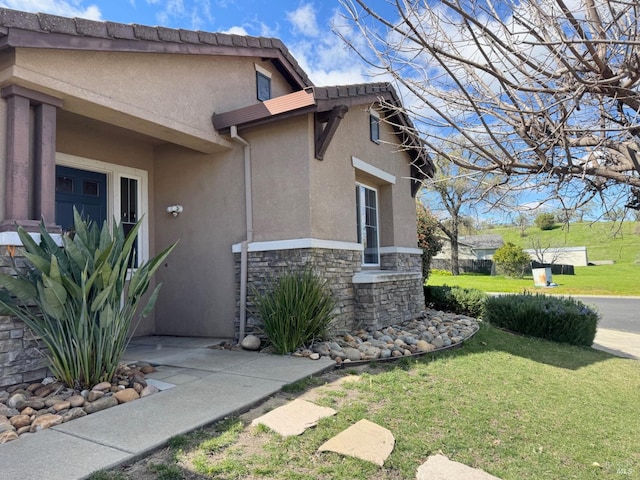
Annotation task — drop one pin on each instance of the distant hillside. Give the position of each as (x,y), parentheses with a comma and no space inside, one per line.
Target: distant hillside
(604,240)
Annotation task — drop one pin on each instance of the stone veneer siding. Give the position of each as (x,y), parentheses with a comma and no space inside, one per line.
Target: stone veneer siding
(21,351)
(334,265)
(389,301)
(401,262)
(360,305)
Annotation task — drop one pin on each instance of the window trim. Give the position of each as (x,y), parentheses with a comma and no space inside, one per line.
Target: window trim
(362,187)
(114,174)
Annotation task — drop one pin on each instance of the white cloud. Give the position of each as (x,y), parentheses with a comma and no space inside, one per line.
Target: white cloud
(236,30)
(304,20)
(55,7)
(326,59)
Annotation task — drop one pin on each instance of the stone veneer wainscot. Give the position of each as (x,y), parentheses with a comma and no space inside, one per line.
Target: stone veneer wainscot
(21,351)
(365,298)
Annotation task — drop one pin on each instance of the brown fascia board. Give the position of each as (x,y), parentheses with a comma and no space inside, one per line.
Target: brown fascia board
(285,106)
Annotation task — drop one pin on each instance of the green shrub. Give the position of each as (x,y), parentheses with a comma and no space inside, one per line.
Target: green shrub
(296,308)
(545,221)
(83,299)
(428,239)
(444,273)
(554,318)
(468,301)
(511,260)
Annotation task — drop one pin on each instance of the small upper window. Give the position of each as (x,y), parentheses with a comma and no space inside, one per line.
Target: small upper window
(374,127)
(263,83)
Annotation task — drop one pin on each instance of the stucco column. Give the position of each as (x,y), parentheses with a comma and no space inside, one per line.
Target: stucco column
(45,163)
(17,167)
(31,159)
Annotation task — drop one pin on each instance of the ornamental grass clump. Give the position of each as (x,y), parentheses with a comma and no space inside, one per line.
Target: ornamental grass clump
(560,319)
(80,299)
(296,308)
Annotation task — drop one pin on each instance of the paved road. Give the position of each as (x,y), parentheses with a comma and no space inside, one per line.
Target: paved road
(617,313)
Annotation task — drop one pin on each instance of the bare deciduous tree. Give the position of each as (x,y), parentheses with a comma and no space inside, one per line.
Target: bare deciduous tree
(544,88)
(453,194)
(545,254)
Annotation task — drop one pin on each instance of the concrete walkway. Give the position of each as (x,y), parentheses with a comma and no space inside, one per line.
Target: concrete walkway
(622,344)
(213,384)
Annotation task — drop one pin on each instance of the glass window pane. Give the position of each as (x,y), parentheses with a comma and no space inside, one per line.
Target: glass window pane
(64,184)
(90,188)
(367,223)
(374,128)
(264,86)
(129,211)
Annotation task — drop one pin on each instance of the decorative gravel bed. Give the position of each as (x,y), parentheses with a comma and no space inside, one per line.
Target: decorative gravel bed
(27,408)
(432,331)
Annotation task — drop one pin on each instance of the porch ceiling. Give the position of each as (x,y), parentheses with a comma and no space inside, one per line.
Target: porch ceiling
(160,130)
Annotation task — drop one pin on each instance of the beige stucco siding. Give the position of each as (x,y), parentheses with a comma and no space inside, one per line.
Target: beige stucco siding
(198,278)
(333,183)
(164,95)
(280,172)
(3,154)
(333,207)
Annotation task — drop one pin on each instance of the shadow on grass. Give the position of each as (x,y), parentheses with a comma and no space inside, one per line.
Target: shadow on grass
(489,338)
(559,355)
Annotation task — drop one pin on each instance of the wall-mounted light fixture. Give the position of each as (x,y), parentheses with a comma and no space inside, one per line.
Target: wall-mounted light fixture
(174,210)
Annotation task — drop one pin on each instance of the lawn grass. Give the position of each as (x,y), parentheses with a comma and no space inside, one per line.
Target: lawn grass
(517,407)
(604,241)
(616,279)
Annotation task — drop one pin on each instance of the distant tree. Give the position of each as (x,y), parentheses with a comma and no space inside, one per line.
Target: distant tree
(428,240)
(522,222)
(548,254)
(511,260)
(453,194)
(565,215)
(545,221)
(615,214)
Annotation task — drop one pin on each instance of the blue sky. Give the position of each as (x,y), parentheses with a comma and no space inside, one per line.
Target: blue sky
(304,26)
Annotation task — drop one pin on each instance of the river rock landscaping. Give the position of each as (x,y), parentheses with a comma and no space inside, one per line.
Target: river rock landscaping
(432,330)
(30,407)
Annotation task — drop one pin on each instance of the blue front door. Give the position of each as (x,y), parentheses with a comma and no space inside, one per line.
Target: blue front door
(87,191)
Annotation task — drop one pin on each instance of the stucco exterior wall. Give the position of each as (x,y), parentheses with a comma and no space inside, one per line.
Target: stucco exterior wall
(333,183)
(6,60)
(198,288)
(3,153)
(147,92)
(280,173)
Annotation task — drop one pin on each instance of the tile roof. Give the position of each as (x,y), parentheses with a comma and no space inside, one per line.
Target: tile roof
(24,29)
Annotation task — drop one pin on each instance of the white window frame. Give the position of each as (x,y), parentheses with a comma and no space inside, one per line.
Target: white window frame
(362,216)
(114,174)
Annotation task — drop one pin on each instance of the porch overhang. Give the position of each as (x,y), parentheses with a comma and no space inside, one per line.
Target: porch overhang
(108,110)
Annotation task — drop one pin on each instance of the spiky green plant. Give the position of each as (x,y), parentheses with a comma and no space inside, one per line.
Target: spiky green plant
(296,309)
(80,299)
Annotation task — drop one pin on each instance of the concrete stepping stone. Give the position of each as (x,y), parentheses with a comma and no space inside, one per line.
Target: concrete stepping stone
(365,440)
(439,467)
(294,417)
